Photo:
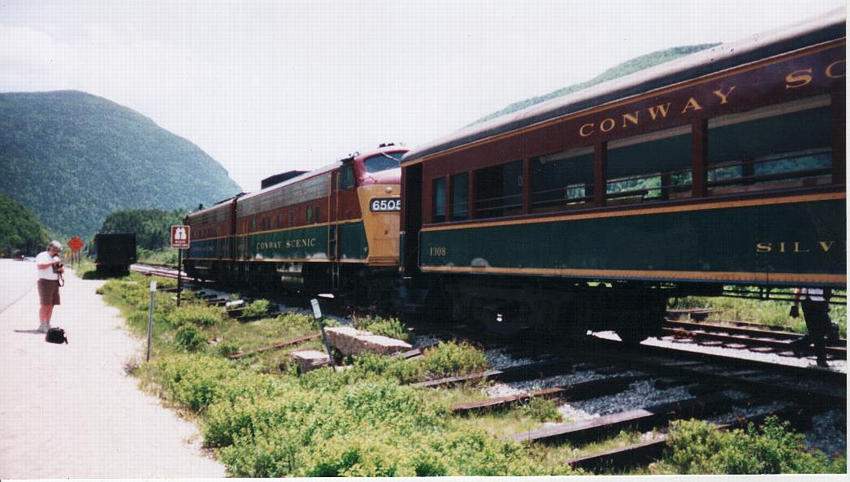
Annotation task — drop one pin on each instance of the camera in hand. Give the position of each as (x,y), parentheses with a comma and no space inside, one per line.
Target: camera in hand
(58,267)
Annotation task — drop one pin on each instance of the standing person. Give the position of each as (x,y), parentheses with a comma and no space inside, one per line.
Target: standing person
(50,269)
(818,324)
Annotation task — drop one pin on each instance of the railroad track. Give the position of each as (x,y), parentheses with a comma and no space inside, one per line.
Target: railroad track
(734,336)
(724,390)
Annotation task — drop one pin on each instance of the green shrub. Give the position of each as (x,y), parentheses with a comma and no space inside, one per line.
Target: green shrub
(195,314)
(256,308)
(542,410)
(189,338)
(451,358)
(198,381)
(390,327)
(227,348)
(403,371)
(697,447)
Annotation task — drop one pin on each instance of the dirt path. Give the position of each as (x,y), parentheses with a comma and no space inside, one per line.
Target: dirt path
(69,410)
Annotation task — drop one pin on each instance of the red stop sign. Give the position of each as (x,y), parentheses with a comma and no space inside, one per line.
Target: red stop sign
(76,243)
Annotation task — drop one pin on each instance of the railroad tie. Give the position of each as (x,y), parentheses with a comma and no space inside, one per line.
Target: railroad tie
(639,418)
(277,346)
(578,391)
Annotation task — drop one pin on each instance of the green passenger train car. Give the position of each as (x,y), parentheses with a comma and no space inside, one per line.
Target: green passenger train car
(720,168)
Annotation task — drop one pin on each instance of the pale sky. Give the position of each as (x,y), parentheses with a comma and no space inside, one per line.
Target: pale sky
(265,87)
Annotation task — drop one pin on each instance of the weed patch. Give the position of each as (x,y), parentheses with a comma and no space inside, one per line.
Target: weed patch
(697,447)
(391,327)
(256,308)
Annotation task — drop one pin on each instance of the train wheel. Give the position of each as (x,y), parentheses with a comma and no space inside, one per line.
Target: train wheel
(648,322)
(633,334)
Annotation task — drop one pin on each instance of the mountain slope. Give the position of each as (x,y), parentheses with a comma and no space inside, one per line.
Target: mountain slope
(19,229)
(73,158)
(621,70)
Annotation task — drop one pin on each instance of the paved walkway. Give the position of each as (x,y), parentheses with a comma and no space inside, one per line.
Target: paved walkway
(69,410)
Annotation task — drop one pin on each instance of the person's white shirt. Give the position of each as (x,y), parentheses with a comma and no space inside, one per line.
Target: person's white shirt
(46,273)
(812,294)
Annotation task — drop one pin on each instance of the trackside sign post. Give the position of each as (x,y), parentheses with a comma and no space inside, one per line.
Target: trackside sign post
(180,240)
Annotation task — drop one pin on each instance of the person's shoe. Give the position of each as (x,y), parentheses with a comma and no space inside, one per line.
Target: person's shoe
(42,328)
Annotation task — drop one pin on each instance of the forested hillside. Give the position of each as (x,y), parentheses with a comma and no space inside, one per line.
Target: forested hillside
(73,158)
(621,70)
(20,230)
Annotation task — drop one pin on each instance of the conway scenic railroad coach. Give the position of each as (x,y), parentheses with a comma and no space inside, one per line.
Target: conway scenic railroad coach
(725,167)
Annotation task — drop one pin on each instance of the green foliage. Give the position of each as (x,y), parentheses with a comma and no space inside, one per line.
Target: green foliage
(403,371)
(391,327)
(357,422)
(198,381)
(166,256)
(195,314)
(542,410)
(697,447)
(152,226)
(767,312)
(256,308)
(189,338)
(73,158)
(451,358)
(629,67)
(20,229)
(227,348)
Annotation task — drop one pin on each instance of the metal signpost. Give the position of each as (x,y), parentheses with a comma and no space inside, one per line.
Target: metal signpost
(317,314)
(180,239)
(76,244)
(150,318)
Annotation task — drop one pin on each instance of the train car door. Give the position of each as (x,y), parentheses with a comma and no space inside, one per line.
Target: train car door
(333,216)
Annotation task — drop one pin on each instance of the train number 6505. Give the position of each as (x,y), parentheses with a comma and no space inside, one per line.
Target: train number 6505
(385,204)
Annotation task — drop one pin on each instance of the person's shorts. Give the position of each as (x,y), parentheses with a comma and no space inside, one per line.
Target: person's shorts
(48,291)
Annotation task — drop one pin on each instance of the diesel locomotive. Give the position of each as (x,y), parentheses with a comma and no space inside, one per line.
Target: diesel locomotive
(586,212)
(589,211)
(332,229)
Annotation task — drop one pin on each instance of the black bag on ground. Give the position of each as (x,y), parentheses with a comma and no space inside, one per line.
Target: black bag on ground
(56,335)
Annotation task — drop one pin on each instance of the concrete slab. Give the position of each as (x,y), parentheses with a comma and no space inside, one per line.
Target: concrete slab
(310,359)
(350,341)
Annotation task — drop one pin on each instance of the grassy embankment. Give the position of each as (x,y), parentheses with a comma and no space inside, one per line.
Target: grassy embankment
(263,419)
(772,313)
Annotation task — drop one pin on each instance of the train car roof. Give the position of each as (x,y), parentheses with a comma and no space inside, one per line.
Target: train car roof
(829,26)
(219,205)
(323,170)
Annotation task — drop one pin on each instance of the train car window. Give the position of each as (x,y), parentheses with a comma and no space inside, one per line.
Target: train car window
(309,214)
(317,217)
(346,177)
(776,147)
(562,180)
(651,167)
(498,190)
(460,196)
(383,162)
(439,200)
